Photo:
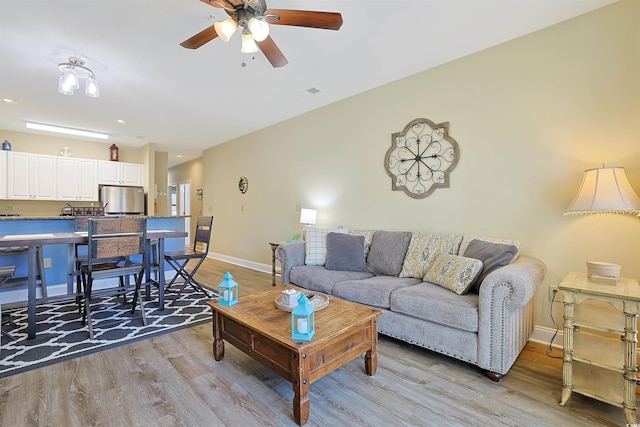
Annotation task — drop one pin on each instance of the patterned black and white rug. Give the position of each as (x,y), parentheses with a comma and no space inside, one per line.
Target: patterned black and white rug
(61,336)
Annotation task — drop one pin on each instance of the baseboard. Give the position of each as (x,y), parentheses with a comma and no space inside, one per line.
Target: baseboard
(544,335)
(263,268)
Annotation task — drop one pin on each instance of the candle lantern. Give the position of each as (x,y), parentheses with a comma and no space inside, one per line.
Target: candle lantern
(303,320)
(113,153)
(228,291)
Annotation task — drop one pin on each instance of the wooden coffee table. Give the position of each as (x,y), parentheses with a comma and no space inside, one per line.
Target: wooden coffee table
(344,331)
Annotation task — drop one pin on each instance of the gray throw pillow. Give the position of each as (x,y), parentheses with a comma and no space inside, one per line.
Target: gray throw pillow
(387,252)
(492,255)
(345,252)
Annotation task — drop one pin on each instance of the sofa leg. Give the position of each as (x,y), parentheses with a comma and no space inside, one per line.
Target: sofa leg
(494,376)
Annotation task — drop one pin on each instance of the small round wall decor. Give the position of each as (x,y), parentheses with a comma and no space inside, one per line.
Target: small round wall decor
(421,158)
(243,184)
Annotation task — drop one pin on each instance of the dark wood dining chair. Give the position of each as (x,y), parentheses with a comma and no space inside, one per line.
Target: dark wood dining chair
(112,245)
(178,260)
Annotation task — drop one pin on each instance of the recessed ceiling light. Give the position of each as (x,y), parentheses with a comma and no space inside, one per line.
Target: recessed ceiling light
(8,101)
(67,131)
(120,121)
(179,156)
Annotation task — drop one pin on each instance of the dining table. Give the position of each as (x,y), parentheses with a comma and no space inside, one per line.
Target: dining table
(70,239)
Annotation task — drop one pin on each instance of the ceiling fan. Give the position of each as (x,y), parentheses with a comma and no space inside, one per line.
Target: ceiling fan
(254,17)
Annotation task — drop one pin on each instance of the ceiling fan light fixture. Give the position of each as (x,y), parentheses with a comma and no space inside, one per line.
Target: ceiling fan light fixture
(259,28)
(248,43)
(225,29)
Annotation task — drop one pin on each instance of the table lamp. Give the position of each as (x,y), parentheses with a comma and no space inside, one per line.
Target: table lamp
(604,190)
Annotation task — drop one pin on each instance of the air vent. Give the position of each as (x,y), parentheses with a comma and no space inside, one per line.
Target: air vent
(309,92)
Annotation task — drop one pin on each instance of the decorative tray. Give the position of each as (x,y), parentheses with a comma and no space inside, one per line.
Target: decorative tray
(317,300)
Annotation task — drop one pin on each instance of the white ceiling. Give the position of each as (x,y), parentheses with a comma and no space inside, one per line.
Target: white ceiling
(186,100)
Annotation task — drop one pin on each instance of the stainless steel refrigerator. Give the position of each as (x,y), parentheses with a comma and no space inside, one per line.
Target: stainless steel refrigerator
(122,200)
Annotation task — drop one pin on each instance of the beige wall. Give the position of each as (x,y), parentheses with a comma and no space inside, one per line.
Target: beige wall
(529,116)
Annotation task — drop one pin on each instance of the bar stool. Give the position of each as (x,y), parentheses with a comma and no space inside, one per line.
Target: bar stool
(6,273)
(40,273)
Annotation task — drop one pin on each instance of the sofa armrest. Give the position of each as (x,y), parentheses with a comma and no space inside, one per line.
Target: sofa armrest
(290,255)
(506,312)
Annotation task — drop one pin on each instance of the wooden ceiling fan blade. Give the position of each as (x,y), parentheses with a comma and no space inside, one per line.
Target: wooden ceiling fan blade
(305,18)
(272,52)
(224,4)
(204,36)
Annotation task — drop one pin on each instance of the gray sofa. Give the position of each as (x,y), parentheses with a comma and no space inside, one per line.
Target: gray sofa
(487,325)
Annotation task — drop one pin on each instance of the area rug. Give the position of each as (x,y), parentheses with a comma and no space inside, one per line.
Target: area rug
(61,336)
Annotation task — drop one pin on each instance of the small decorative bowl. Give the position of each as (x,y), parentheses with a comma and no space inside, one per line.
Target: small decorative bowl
(603,269)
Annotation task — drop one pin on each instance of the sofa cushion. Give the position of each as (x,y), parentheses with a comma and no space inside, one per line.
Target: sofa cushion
(387,252)
(318,278)
(345,252)
(315,244)
(492,255)
(423,250)
(454,272)
(374,291)
(439,305)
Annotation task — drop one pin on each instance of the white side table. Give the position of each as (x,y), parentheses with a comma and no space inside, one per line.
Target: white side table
(599,354)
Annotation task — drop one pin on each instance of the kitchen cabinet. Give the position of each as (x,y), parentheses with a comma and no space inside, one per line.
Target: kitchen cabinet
(120,173)
(3,174)
(77,179)
(31,176)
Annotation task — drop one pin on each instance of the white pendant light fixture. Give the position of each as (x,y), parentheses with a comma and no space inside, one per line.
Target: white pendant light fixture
(71,73)
(225,29)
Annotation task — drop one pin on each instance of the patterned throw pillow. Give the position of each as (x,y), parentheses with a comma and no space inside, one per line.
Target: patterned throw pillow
(454,272)
(315,244)
(424,248)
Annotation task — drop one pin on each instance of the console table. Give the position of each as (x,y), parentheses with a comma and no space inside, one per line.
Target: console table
(599,354)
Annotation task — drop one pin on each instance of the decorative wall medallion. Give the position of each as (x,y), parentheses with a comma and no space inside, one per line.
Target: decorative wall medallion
(421,158)
(243,184)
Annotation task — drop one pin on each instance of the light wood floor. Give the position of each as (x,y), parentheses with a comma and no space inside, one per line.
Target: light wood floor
(172,380)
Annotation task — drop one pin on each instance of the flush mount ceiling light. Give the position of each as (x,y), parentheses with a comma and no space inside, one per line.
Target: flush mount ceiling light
(67,131)
(70,74)
(254,17)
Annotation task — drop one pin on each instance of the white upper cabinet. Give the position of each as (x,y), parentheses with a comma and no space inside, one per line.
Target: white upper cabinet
(120,173)
(77,179)
(3,174)
(31,176)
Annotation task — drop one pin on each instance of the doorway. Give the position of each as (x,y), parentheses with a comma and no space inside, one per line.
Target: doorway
(184,207)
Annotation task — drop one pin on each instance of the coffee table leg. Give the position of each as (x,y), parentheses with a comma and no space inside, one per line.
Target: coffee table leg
(218,343)
(301,383)
(371,356)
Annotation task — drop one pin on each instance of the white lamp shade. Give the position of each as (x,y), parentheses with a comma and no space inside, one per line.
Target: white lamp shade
(259,29)
(605,190)
(308,216)
(248,44)
(225,29)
